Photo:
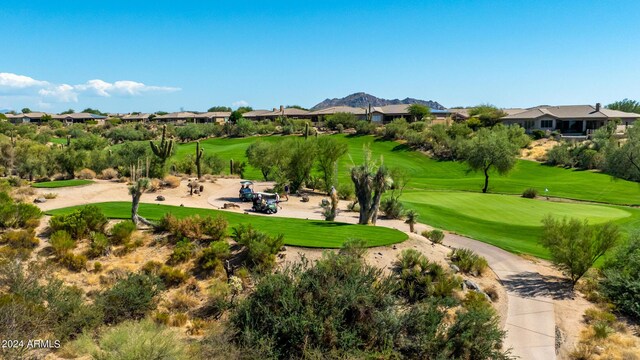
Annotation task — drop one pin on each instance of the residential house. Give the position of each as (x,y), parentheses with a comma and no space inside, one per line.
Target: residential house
(568,119)
(79,118)
(140,117)
(219,117)
(319,115)
(291,113)
(32,117)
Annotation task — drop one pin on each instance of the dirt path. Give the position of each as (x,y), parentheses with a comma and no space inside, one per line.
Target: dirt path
(529,304)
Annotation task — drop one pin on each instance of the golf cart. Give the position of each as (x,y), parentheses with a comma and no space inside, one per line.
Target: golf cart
(265,203)
(246,192)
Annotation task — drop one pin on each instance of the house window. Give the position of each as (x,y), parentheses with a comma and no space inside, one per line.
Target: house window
(546,124)
(528,124)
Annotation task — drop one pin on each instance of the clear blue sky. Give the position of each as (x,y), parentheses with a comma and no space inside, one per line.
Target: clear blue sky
(267,53)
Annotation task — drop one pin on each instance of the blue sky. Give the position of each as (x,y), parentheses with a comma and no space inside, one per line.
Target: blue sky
(126,56)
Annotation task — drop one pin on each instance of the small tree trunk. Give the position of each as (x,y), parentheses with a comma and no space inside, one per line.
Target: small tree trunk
(486,180)
(411,225)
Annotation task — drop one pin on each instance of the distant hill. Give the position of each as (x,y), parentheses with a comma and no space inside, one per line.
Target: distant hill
(364,100)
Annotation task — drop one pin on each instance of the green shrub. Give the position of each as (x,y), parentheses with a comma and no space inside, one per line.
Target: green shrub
(61,242)
(435,236)
(602,330)
(80,222)
(538,134)
(182,252)
(130,298)
(593,315)
(122,231)
(97,266)
(365,128)
(396,129)
(171,276)
(346,191)
(530,193)
(167,223)
(392,208)
(212,256)
(621,283)
(17,215)
(419,279)
(261,248)
(73,262)
(468,261)
(99,245)
(20,239)
(215,228)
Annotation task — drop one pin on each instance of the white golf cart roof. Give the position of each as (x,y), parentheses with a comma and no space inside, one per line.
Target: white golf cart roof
(246,182)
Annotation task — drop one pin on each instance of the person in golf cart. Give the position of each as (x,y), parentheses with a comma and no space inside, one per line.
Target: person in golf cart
(246,193)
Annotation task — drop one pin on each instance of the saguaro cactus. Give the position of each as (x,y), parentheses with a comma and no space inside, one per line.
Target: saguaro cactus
(68,140)
(163,150)
(199,152)
(306,130)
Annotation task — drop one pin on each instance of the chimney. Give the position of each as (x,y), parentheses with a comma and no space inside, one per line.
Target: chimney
(281,108)
(597,107)
(274,109)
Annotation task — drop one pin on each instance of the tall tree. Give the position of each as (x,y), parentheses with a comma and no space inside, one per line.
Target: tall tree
(491,149)
(263,155)
(625,105)
(624,161)
(370,181)
(219,109)
(136,190)
(575,246)
(330,150)
(418,112)
(301,161)
(25,110)
(488,115)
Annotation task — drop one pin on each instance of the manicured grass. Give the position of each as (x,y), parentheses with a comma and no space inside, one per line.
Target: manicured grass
(509,222)
(57,140)
(61,183)
(297,232)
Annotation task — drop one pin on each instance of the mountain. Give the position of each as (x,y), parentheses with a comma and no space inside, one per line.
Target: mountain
(363,100)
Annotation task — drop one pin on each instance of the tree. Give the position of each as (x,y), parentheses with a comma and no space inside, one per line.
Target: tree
(244,109)
(219,109)
(487,114)
(624,161)
(93,111)
(491,149)
(575,246)
(330,150)
(162,150)
(235,116)
(626,105)
(300,163)
(136,191)
(25,110)
(418,112)
(70,111)
(621,282)
(370,181)
(411,219)
(261,156)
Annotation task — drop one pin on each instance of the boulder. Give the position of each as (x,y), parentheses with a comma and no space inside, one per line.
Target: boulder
(40,200)
(471,285)
(455,268)
(230,206)
(160,198)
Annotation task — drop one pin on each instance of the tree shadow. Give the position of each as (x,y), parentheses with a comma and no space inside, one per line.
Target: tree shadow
(531,284)
(232,199)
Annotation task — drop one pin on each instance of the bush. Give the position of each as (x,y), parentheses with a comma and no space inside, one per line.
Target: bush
(80,222)
(346,191)
(50,196)
(73,262)
(172,181)
(468,261)
(419,279)
(168,223)
(171,276)
(20,239)
(122,231)
(212,256)
(560,155)
(435,236)
(61,242)
(109,174)
(17,215)
(395,130)
(215,228)
(538,134)
(130,298)
(341,121)
(182,252)
(99,246)
(260,247)
(392,208)
(621,283)
(86,174)
(365,128)
(530,193)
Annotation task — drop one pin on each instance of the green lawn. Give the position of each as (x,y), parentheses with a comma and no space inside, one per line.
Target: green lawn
(509,222)
(297,232)
(57,140)
(61,183)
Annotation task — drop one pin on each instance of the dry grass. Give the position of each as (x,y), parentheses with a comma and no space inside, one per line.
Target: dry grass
(50,196)
(598,341)
(172,181)
(109,174)
(86,174)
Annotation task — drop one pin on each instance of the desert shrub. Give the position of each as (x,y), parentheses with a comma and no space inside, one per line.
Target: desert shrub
(190,227)
(261,248)
(80,222)
(20,239)
(171,276)
(50,196)
(560,155)
(347,120)
(340,128)
(212,256)
(215,228)
(99,245)
(419,279)
(602,330)
(73,262)
(538,134)
(417,140)
(182,302)
(435,236)
(315,182)
(97,266)
(468,261)
(492,292)
(476,334)
(392,208)
(168,223)
(530,193)
(418,126)
(353,206)
(590,159)
(17,215)
(61,242)
(172,181)
(154,185)
(86,174)
(109,174)
(354,247)
(365,128)
(143,340)
(621,283)
(162,318)
(593,315)
(130,298)
(346,191)
(217,301)
(182,252)
(122,231)
(475,299)
(179,319)
(396,129)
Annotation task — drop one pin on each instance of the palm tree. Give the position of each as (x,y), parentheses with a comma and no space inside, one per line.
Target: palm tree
(136,191)
(412,219)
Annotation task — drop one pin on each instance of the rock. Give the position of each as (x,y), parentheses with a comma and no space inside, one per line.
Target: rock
(471,285)
(40,200)
(380,253)
(394,247)
(284,248)
(230,206)
(160,198)
(598,350)
(305,198)
(455,268)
